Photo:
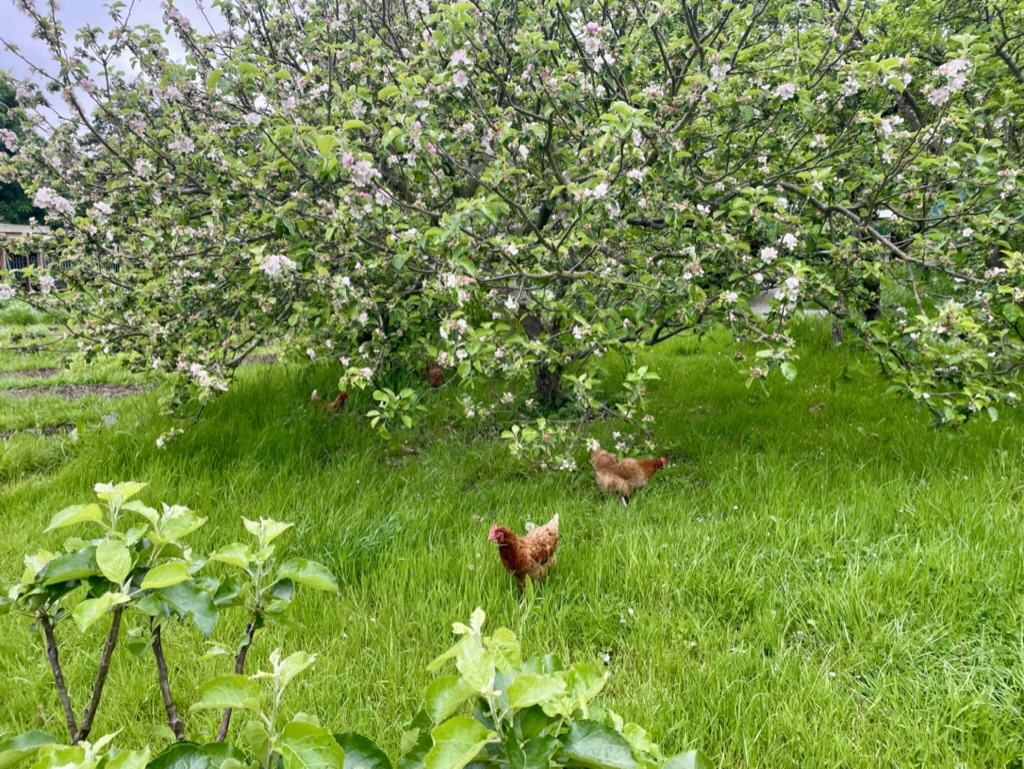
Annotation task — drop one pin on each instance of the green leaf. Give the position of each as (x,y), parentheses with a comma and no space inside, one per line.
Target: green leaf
(388,91)
(292,665)
(114,560)
(598,746)
(350,125)
(129,759)
(188,598)
(256,738)
(361,753)
(457,742)
(25,745)
(306,746)
(533,689)
(325,144)
(235,554)
(120,493)
(476,666)
(505,647)
(308,573)
(445,695)
(188,755)
(266,530)
(91,610)
(164,575)
(213,79)
(69,516)
(72,566)
(788,370)
(694,759)
(230,691)
(534,754)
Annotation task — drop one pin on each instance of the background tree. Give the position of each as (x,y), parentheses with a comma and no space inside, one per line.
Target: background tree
(15,207)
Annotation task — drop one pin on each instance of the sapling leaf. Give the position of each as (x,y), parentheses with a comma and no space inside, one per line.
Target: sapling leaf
(597,745)
(164,575)
(305,746)
(114,560)
(80,564)
(69,516)
(23,746)
(308,573)
(456,742)
(534,689)
(445,695)
(230,691)
(235,554)
(361,752)
(90,611)
(505,647)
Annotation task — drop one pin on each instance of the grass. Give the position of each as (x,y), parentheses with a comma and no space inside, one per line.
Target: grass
(817,578)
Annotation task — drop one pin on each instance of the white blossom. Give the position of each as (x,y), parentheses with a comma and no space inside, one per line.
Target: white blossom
(769,254)
(786,91)
(275,264)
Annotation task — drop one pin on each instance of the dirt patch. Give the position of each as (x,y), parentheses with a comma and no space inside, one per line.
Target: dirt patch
(31,373)
(44,431)
(268,358)
(75,391)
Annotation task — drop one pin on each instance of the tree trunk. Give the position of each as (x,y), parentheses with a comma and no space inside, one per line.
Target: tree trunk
(549,386)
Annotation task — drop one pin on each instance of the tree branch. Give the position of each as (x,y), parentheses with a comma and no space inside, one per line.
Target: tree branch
(250,631)
(173,720)
(58,676)
(101,677)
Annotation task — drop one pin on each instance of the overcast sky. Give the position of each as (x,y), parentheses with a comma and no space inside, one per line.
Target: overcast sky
(16,27)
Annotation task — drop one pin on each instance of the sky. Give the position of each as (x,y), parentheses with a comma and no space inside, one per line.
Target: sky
(16,27)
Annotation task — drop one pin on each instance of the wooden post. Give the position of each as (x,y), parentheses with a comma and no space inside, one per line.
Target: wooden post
(3,259)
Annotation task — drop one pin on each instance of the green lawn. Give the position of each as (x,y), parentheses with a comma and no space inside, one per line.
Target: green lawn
(817,578)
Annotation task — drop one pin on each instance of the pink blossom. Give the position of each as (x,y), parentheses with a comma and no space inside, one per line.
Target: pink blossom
(460,79)
(459,57)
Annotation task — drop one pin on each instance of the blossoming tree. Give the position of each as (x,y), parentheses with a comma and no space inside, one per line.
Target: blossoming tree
(517,189)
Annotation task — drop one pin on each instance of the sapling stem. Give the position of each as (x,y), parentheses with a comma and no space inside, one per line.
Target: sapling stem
(101,677)
(58,675)
(173,720)
(250,631)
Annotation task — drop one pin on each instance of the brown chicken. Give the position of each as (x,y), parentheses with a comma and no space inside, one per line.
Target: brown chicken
(435,374)
(529,555)
(334,405)
(622,477)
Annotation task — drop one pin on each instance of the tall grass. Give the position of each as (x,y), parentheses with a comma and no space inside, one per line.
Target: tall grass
(817,578)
